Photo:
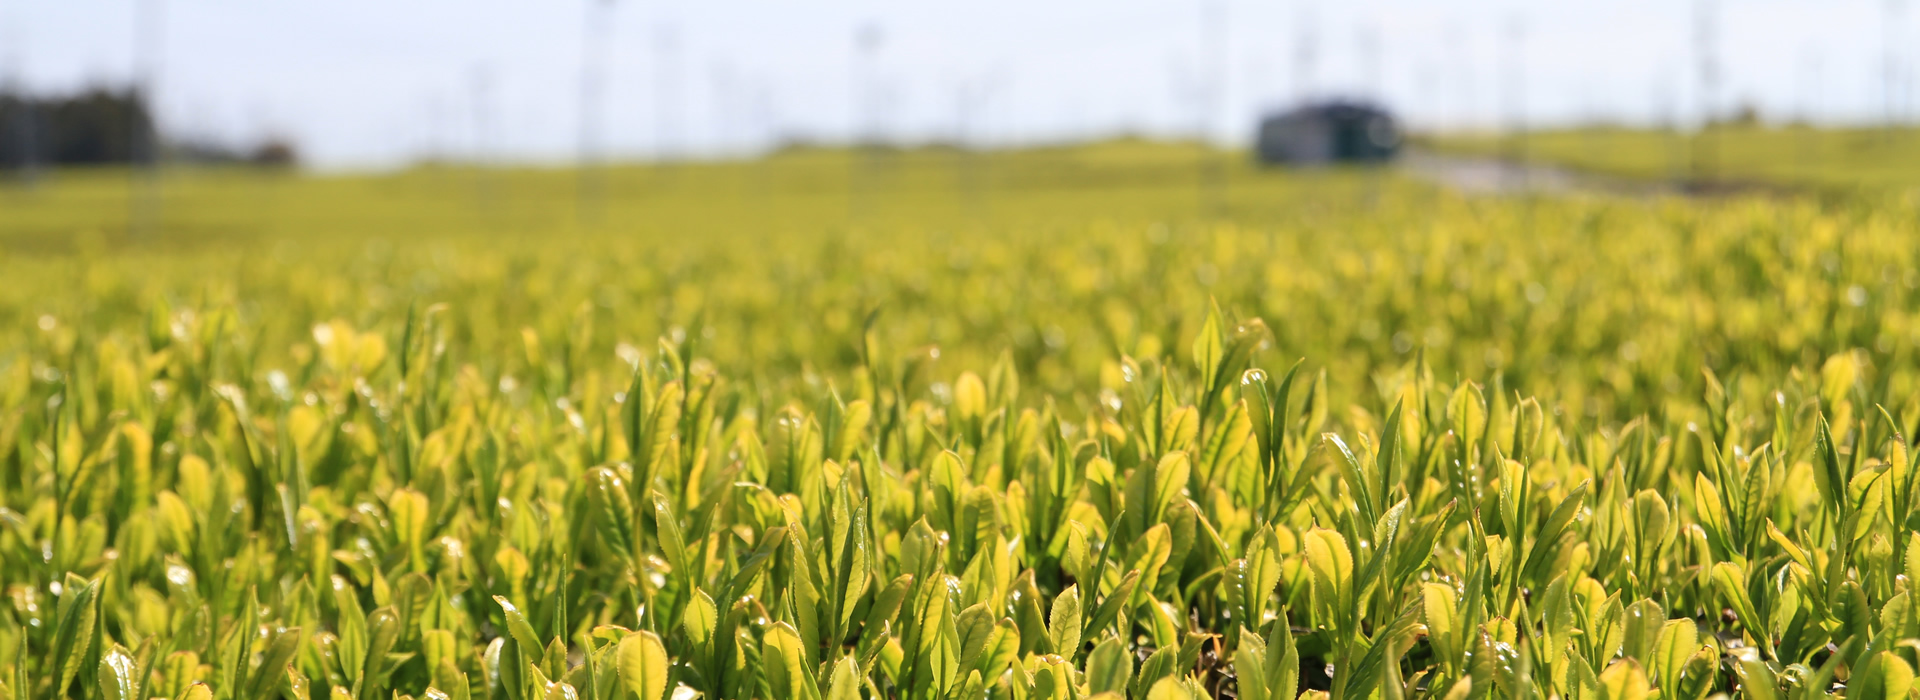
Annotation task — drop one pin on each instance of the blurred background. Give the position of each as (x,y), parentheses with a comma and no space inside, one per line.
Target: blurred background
(360,84)
(1503,184)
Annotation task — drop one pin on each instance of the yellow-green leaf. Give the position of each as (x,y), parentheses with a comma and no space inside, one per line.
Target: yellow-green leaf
(1884,676)
(786,661)
(1625,681)
(118,675)
(1332,565)
(641,660)
(1063,622)
(846,680)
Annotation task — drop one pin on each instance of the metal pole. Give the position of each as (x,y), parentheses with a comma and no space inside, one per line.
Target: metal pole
(865,119)
(143,147)
(1213,45)
(1890,23)
(1705,156)
(590,190)
(1516,100)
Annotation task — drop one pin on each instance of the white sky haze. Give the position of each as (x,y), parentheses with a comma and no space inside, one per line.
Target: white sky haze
(372,83)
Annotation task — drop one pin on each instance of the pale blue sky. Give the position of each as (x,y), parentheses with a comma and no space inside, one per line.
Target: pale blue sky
(369,83)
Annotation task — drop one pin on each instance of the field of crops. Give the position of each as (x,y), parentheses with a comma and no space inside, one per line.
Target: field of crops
(1056,424)
(1813,160)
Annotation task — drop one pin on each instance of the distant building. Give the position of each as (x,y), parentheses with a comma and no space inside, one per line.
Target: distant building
(105,126)
(1328,132)
(94,127)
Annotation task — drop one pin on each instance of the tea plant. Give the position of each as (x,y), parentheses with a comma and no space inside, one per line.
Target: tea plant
(1662,453)
(398,525)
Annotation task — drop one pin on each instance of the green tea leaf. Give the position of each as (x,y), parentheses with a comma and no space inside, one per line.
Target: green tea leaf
(673,544)
(1731,583)
(1443,628)
(1249,667)
(1883,675)
(1259,574)
(1757,681)
(1170,688)
(846,680)
(1625,681)
(1282,672)
(1110,606)
(273,662)
(641,660)
(74,633)
(1678,640)
(1332,565)
(118,675)
(699,618)
(1110,667)
(1063,623)
(1207,350)
(612,509)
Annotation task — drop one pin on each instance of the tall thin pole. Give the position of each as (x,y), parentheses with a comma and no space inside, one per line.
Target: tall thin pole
(1367,39)
(1667,111)
(724,90)
(1706,34)
(1431,94)
(1810,74)
(590,190)
(1891,12)
(864,113)
(444,111)
(143,214)
(1305,48)
(1213,81)
(970,97)
(666,87)
(480,93)
(480,85)
(1461,114)
(1516,99)
(24,110)
(760,140)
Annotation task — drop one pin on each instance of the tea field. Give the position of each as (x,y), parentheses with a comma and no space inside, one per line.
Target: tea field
(1107,421)
(1801,158)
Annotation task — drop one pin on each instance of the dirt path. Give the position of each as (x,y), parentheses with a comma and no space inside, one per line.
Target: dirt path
(1501,177)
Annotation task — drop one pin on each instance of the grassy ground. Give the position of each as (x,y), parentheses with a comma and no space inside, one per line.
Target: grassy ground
(799,190)
(1800,157)
(1104,421)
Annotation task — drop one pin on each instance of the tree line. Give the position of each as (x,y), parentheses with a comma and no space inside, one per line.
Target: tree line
(105,126)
